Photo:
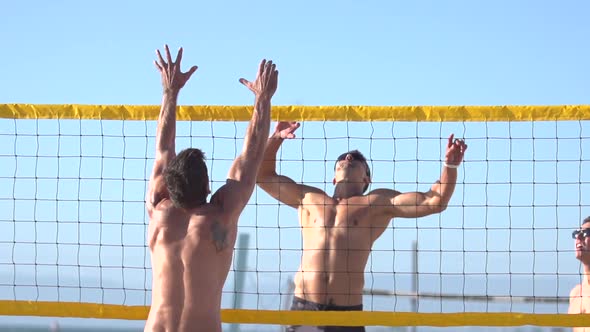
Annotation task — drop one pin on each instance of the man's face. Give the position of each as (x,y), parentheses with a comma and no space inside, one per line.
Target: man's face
(582,242)
(351,167)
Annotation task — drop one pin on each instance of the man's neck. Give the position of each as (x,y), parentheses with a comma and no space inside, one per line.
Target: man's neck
(345,190)
(586,281)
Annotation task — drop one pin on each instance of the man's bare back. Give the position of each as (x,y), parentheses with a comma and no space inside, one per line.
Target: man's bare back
(185,244)
(191,240)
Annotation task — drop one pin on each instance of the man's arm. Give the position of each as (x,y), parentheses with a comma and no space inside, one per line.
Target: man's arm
(241,178)
(280,187)
(172,81)
(417,204)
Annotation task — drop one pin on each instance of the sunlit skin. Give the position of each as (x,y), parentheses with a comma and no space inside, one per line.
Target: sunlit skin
(580,294)
(338,231)
(191,248)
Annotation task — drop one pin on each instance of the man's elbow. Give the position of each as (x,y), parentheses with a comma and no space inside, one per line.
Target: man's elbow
(438,206)
(265,184)
(265,177)
(260,179)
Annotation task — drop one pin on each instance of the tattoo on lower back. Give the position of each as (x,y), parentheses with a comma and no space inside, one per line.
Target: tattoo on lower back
(219,233)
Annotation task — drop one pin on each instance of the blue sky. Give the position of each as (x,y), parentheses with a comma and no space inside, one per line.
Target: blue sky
(328,53)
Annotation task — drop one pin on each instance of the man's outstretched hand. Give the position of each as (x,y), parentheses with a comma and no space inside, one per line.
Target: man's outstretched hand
(172,78)
(455,151)
(285,130)
(266,81)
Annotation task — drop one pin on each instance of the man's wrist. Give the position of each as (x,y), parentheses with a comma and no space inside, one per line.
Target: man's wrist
(171,92)
(263,98)
(447,165)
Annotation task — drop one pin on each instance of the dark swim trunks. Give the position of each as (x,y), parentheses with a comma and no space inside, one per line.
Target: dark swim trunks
(301,304)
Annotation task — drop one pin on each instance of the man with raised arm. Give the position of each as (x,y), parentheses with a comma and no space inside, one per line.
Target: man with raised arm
(338,231)
(192,240)
(580,294)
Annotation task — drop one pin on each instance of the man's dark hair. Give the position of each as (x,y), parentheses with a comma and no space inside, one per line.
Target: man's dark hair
(187,180)
(586,220)
(356,155)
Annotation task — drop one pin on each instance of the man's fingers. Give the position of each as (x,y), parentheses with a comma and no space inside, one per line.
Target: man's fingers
(168,56)
(179,56)
(157,65)
(267,71)
(462,144)
(274,72)
(245,82)
(191,71)
(271,81)
(450,141)
(261,67)
(271,67)
(162,62)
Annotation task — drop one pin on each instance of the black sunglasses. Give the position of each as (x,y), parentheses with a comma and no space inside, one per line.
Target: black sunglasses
(585,233)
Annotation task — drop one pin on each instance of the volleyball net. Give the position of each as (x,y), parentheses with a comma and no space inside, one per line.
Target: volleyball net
(73,223)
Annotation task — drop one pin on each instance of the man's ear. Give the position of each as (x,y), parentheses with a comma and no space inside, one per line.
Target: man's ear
(367,181)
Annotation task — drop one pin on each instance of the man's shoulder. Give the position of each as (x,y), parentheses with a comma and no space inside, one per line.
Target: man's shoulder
(382,196)
(316,197)
(162,208)
(167,214)
(383,192)
(576,291)
(173,218)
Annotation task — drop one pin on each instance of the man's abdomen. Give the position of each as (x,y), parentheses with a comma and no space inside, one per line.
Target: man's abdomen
(335,288)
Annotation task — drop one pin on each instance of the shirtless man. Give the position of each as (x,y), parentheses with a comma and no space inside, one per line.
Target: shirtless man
(338,231)
(580,295)
(192,241)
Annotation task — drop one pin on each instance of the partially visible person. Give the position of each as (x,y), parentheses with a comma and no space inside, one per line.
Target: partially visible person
(580,294)
(191,240)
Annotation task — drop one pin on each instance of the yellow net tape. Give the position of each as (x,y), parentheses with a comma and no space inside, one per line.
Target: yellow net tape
(334,318)
(303,113)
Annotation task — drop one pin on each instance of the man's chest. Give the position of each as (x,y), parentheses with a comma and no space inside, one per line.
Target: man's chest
(337,214)
(581,303)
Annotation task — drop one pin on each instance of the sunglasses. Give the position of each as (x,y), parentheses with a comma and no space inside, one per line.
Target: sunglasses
(585,233)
